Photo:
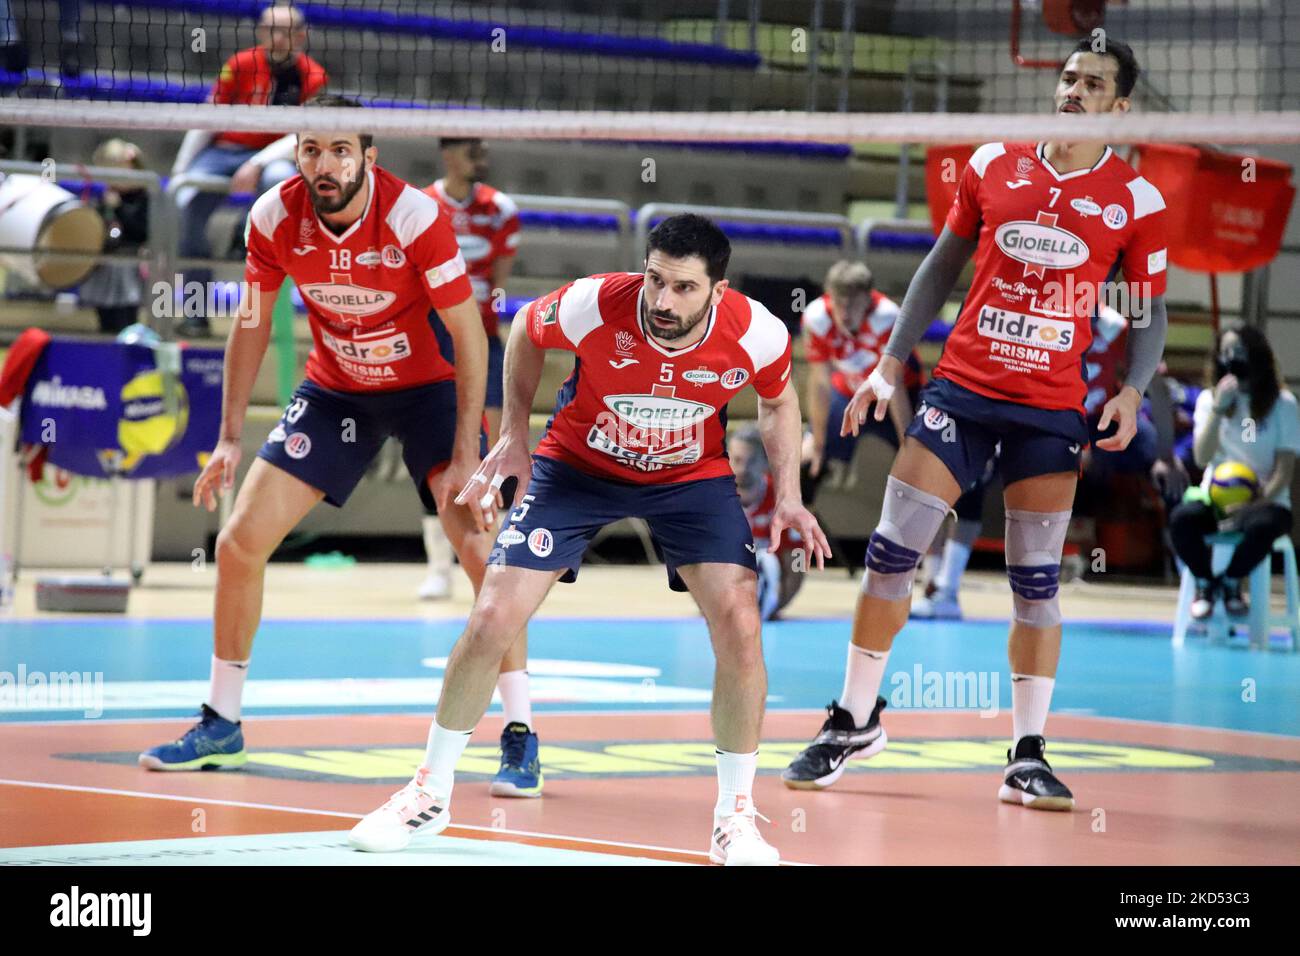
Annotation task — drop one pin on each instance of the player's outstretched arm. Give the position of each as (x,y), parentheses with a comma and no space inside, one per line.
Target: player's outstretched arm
(509,457)
(245,347)
(1144,350)
(780,425)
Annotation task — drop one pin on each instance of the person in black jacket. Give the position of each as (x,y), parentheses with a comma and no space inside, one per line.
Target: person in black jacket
(114,288)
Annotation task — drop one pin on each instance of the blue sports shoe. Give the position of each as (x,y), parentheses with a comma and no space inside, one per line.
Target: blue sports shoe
(211,743)
(521,772)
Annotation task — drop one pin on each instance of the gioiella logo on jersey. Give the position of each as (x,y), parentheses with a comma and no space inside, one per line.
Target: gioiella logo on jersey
(350,302)
(1041,245)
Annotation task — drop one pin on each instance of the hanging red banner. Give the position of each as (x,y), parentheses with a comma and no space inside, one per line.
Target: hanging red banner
(1227,212)
(943,168)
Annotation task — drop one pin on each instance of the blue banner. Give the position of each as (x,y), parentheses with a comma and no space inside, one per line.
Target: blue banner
(106,408)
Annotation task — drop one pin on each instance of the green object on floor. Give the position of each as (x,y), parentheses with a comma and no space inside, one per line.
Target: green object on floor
(333,561)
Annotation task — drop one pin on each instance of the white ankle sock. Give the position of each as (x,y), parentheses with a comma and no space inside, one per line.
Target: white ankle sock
(735,782)
(513,686)
(862,676)
(226,687)
(1031,698)
(436,546)
(440,756)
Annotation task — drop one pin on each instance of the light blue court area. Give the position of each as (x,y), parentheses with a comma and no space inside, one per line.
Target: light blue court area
(309,849)
(159,668)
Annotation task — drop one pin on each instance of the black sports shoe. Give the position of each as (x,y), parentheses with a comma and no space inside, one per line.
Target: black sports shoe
(1233,601)
(1029,781)
(1203,602)
(822,761)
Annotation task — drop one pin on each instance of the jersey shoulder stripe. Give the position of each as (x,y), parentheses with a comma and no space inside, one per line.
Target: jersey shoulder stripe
(817,318)
(580,309)
(766,338)
(269,210)
(1146,197)
(981,158)
(506,207)
(411,214)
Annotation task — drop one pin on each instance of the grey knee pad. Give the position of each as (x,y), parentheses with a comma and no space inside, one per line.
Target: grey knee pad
(909,520)
(1034,541)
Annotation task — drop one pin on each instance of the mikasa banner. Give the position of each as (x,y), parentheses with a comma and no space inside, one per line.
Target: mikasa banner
(105,408)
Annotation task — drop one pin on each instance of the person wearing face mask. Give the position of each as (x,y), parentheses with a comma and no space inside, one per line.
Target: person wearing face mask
(1245,415)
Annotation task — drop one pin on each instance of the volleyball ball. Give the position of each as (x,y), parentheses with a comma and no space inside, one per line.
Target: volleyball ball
(146,426)
(1232,483)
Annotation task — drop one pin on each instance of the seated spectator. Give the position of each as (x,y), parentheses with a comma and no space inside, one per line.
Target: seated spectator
(845,332)
(113,289)
(780,575)
(1244,415)
(276,72)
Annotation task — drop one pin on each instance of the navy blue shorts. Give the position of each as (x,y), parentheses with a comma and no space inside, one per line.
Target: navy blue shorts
(965,430)
(840,447)
(328,439)
(496,361)
(692,522)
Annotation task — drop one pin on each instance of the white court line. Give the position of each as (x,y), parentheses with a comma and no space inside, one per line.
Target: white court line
(334,813)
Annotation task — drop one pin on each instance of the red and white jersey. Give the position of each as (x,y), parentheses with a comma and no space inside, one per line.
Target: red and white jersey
(487,227)
(636,411)
(760,520)
(367,291)
(1046,243)
(852,356)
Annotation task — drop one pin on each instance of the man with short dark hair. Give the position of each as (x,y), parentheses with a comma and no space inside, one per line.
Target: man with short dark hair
(638,431)
(370,254)
(1050,225)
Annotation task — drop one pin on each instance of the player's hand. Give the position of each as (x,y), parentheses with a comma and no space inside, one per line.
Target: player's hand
(246,179)
(453,478)
(218,475)
(1123,410)
(481,492)
(878,388)
(790,515)
(1225,393)
(816,458)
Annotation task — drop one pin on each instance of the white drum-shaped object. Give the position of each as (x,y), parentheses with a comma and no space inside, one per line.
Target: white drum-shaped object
(40,216)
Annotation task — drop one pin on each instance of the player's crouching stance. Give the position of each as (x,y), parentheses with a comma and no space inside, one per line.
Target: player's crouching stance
(637,432)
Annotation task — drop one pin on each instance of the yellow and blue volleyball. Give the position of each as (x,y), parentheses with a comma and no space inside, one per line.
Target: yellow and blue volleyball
(1232,483)
(146,426)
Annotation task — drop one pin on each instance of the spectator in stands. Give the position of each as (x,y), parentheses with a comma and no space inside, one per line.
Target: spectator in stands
(114,288)
(13,50)
(780,575)
(844,333)
(276,72)
(1244,415)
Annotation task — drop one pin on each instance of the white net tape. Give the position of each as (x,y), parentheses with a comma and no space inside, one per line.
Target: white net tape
(1241,128)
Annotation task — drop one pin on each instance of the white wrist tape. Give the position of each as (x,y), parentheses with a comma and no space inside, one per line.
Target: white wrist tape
(883,390)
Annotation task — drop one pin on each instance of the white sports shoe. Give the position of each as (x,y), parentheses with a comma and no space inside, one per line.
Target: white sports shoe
(436,587)
(736,840)
(411,811)
(940,606)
